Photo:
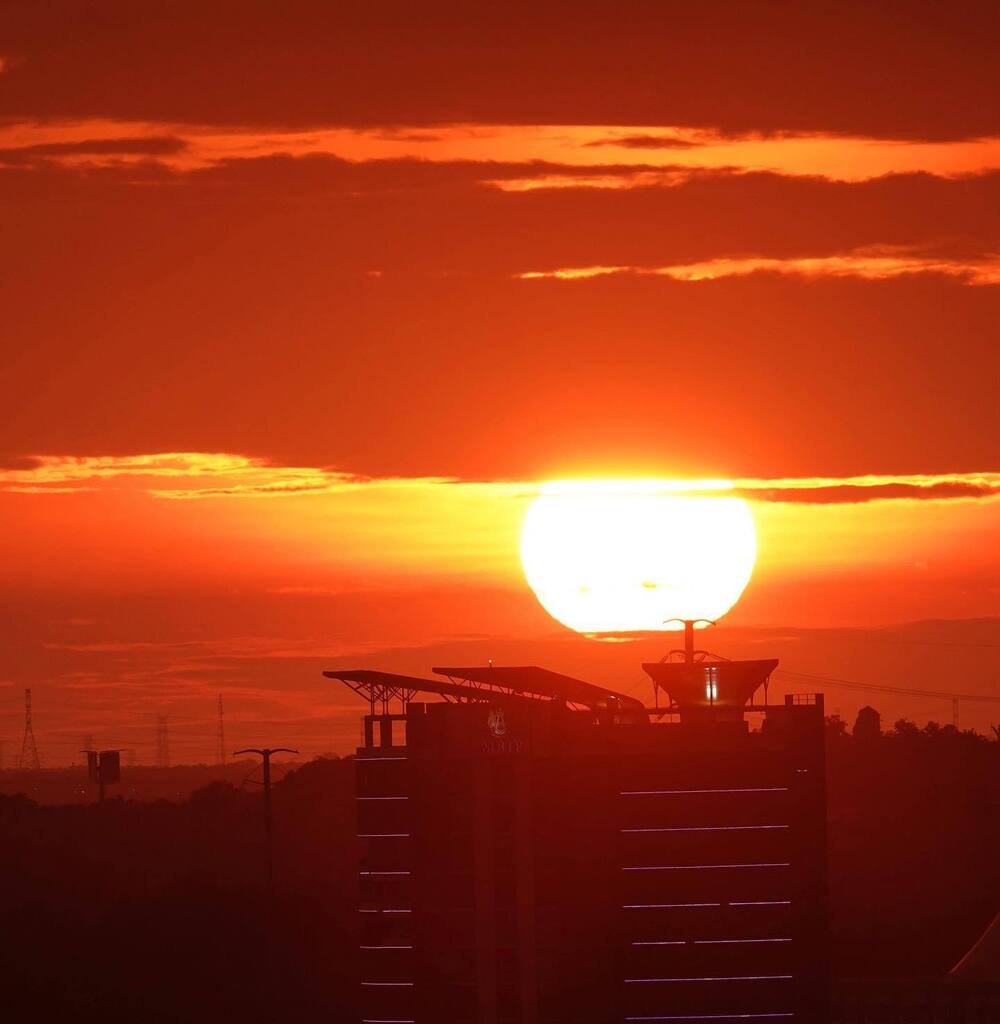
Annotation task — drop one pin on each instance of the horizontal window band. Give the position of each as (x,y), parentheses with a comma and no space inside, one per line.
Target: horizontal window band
(730,942)
(700,792)
(706,828)
(714,1016)
(734,977)
(731,903)
(665,906)
(702,867)
(703,942)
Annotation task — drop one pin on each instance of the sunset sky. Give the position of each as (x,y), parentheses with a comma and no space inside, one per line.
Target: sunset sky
(301,304)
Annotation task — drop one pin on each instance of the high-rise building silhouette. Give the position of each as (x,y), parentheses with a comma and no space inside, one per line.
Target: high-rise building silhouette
(29,749)
(542,850)
(162,742)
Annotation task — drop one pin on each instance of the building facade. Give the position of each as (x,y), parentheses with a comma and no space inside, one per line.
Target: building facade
(543,851)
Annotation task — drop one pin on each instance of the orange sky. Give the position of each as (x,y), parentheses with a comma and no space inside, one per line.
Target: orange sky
(375,277)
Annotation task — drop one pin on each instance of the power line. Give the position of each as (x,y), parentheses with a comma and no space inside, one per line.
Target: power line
(867,638)
(852,684)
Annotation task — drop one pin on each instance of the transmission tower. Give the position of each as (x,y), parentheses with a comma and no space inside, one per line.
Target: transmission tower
(220,737)
(162,742)
(29,749)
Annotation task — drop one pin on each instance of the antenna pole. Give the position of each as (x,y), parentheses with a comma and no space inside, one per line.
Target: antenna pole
(689,625)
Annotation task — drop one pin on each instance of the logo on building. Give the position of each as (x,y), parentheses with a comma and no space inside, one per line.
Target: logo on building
(496,722)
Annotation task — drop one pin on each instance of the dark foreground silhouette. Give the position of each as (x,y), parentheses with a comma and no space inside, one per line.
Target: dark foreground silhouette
(158,911)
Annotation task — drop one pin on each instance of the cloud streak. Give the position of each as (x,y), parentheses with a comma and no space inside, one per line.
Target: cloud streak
(217,473)
(869,265)
(861,489)
(214,475)
(189,147)
(109,150)
(648,142)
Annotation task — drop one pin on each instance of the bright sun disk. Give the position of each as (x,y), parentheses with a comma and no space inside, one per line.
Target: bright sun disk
(624,556)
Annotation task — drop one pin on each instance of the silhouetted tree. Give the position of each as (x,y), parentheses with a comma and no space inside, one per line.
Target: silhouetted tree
(905,729)
(157,912)
(836,727)
(868,725)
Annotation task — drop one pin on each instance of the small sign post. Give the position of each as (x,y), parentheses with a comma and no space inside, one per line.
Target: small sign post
(103,767)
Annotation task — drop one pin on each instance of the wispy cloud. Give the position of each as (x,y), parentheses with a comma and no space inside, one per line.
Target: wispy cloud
(197,147)
(40,469)
(186,476)
(217,473)
(871,265)
(658,141)
(819,490)
(93,150)
(857,489)
(615,178)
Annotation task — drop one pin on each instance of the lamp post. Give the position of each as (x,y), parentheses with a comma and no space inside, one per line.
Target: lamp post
(265,754)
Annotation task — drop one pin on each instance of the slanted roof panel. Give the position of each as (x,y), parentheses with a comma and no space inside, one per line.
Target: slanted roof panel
(395,681)
(530,679)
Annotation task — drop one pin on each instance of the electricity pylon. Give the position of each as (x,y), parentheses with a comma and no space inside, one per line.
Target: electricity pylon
(29,749)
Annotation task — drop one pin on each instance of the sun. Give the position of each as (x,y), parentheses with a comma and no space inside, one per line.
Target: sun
(628,555)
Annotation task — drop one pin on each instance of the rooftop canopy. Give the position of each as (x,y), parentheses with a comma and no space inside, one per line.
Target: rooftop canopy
(489,683)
